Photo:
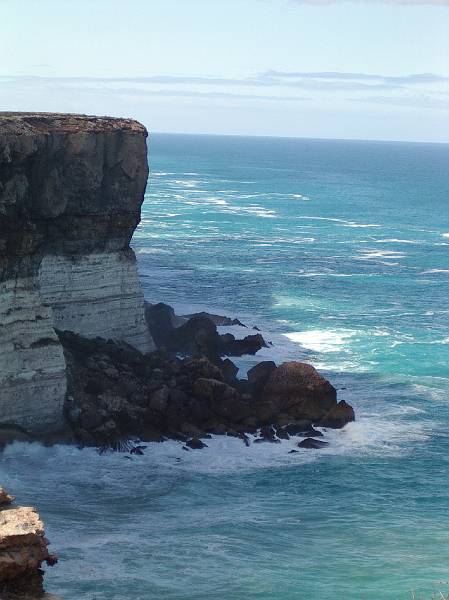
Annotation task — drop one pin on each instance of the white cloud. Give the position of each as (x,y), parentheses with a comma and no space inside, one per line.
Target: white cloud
(398,2)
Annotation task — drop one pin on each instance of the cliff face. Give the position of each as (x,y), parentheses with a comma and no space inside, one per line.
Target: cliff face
(23,550)
(71,188)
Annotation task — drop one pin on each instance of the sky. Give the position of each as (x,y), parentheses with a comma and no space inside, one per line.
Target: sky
(361,69)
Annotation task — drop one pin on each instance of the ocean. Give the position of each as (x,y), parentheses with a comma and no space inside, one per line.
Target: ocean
(339,252)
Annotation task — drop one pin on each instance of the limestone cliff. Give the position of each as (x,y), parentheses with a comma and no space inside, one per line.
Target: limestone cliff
(71,188)
(23,550)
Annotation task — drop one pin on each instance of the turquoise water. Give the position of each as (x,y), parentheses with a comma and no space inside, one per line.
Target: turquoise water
(339,252)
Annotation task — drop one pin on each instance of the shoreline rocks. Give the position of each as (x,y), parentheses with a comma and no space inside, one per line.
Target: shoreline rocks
(23,551)
(71,189)
(116,393)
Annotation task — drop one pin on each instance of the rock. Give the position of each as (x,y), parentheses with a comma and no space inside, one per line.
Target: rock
(338,416)
(218,320)
(282,434)
(302,428)
(224,401)
(91,418)
(5,498)
(229,370)
(298,390)
(267,434)
(23,549)
(161,320)
(192,431)
(195,444)
(293,451)
(248,345)
(259,374)
(195,368)
(13,433)
(71,188)
(197,337)
(312,443)
(159,399)
(150,434)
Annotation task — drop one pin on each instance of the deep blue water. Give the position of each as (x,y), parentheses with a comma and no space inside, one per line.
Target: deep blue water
(339,252)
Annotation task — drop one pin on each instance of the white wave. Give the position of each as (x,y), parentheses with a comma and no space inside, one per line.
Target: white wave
(187,183)
(344,222)
(430,271)
(152,251)
(327,274)
(397,241)
(446,235)
(372,254)
(322,340)
(300,197)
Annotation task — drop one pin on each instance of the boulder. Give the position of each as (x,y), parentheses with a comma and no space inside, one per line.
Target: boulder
(259,374)
(311,443)
(248,345)
(302,428)
(218,320)
(161,320)
(296,389)
(338,416)
(5,498)
(23,549)
(267,434)
(195,444)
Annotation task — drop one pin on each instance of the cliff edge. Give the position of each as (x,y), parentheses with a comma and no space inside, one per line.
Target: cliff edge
(71,189)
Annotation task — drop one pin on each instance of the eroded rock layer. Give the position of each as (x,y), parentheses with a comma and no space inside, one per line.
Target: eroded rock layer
(71,188)
(23,550)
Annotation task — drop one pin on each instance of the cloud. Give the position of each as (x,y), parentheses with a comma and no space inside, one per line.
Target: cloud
(356,77)
(323,81)
(393,2)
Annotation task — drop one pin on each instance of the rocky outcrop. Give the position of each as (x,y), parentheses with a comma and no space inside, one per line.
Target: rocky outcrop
(71,188)
(197,334)
(117,394)
(23,550)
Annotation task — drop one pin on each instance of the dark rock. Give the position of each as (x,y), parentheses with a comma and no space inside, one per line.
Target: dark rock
(298,390)
(162,320)
(299,427)
(195,444)
(250,344)
(197,337)
(312,443)
(138,450)
(159,399)
(229,370)
(194,368)
(259,374)
(218,320)
(192,431)
(150,434)
(282,434)
(338,416)
(303,429)
(13,433)
(91,418)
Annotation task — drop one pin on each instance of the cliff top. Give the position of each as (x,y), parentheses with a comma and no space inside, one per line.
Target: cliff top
(20,123)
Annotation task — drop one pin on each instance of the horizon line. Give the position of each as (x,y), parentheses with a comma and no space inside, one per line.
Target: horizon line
(296,137)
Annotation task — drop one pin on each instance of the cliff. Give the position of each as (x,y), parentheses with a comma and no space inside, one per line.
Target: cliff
(23,550)
(71,188)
